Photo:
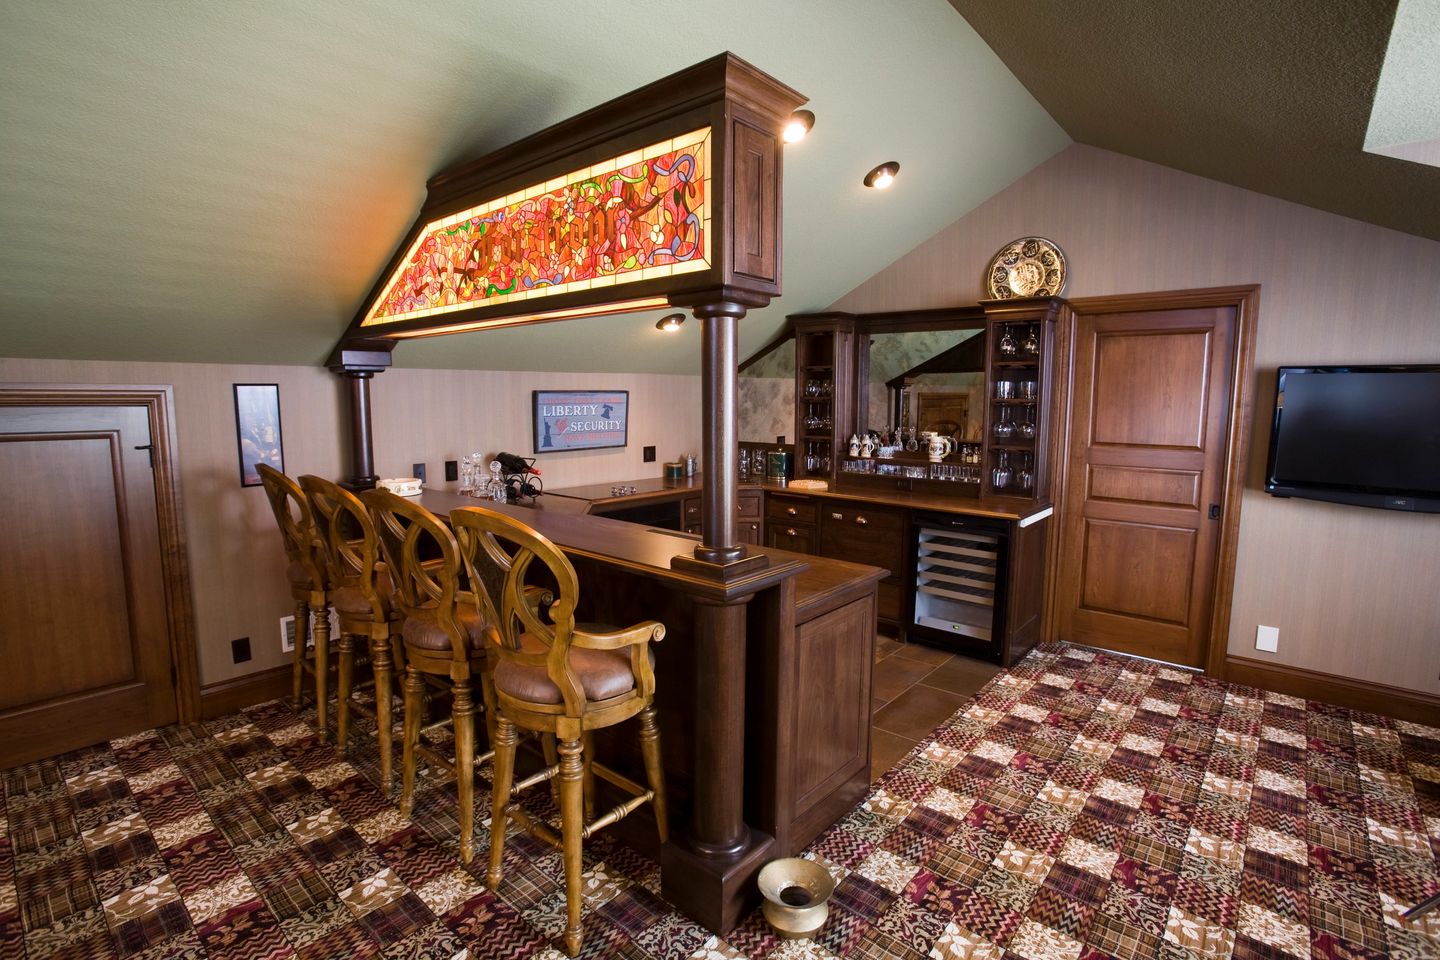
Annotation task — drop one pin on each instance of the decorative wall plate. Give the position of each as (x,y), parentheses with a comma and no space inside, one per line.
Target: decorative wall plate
(1028,267)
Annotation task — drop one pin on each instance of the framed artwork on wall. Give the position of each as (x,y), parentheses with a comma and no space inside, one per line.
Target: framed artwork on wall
(580,419)
(257,429)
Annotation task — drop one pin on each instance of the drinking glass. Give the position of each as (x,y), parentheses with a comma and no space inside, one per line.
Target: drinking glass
(1003,428)
(1000,476)
(1027,429)
(744,461)
(1004,389)
(1031,343)
(1007,344)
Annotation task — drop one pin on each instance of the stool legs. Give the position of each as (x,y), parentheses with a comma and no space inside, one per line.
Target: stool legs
(501,779)
(384,669)
(587,744)
(654,772)
(414,703)
(463,714)
(572,830)
(346,679)
(322,673)
(302,631)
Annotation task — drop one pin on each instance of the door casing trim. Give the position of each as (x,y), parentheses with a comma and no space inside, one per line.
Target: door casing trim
(159,403)
(1246,302)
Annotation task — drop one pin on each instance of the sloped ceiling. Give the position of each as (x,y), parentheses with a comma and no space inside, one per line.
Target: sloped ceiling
(1274,97)
(223,182)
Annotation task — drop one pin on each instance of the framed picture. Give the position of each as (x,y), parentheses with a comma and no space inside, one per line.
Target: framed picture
(580,419)
(257,429)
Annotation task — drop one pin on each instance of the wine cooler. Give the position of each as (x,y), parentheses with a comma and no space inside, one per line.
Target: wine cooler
(960,583)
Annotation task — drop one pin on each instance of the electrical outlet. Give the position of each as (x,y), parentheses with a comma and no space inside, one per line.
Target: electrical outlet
(649,454)
(1267,638)
(287,631)
(452,469)
(240,649)
(417,470)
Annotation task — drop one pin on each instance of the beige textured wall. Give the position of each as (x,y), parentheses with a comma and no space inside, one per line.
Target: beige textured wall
(1352,590)
(236,564)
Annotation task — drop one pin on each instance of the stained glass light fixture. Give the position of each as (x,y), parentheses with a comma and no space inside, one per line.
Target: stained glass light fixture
(667,196)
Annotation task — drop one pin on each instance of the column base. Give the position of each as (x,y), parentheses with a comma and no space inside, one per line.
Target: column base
(747,564)
(714,893)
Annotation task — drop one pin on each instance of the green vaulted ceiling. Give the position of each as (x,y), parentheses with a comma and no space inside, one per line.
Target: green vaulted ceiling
(224,182)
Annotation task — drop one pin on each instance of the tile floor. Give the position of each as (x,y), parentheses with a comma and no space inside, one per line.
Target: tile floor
(916,688)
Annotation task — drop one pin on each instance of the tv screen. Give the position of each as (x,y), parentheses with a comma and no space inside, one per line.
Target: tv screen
(1363,435)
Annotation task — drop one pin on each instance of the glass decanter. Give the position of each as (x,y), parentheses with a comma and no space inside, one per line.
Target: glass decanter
(495,486)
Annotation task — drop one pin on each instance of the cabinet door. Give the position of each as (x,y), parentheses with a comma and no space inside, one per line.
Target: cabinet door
(799,537)
(749,531)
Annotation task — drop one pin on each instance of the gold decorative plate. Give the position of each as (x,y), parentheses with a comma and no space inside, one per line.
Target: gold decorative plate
(1028,267)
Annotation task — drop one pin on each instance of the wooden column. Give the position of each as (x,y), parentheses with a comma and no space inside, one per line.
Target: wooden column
(719,447)
(717,825)
(362,455)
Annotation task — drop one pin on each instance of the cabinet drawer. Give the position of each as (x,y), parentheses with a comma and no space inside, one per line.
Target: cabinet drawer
(748,507)
(864,535)
(786,509)
(799,537)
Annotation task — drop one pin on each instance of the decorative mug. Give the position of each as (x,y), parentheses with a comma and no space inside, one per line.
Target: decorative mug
(867,447)
(854,445)
(939,448)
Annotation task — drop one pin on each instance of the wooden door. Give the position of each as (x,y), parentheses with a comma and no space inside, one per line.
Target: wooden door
(84,634)
(1141,525)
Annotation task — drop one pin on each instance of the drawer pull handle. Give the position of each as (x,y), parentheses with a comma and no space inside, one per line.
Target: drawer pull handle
(790,511)
(861,520)
(790,531)
(837,516)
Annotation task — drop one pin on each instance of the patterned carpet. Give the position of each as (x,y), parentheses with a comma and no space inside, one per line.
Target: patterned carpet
(1081,806)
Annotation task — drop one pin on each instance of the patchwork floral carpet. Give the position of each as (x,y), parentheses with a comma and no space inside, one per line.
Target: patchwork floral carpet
(1080,806)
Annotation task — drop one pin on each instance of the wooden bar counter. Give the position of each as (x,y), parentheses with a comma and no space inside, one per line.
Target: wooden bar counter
(802,668)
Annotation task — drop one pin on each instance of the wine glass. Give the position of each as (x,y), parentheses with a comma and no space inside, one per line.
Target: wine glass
(1031,343)
(1027,429)
(1007,344)
(1004,429)
(1025,479)
(1000,476)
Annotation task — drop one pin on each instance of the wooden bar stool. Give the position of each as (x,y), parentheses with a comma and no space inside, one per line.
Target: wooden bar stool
(445,636)
(309,585)
(558,679)
(360,591)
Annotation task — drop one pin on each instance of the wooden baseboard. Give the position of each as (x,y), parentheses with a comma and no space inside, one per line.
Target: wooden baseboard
(228,696)
(1343,691)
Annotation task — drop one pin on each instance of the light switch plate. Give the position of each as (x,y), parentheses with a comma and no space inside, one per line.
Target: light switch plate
(1267,638)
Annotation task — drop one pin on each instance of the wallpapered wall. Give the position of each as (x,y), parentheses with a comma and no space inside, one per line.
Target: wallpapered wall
(237,568)
(1352,590)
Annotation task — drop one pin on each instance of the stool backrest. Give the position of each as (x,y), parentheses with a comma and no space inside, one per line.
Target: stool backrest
(509,547)
(424,562)
(347,538)
(297,524)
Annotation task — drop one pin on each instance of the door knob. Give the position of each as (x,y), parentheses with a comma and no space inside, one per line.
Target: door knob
(790,511)
(861,520)
(1214,511)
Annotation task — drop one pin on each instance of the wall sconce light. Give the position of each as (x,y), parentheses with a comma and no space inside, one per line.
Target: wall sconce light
(798,125)
(883,175)
(670,322)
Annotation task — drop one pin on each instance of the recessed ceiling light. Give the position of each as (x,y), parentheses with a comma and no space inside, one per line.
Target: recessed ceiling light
(883,175)
(798,125)
(670,322)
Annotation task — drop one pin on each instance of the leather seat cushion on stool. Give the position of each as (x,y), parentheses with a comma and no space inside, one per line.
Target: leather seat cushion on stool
(427,635)
(602,674)
(351,601)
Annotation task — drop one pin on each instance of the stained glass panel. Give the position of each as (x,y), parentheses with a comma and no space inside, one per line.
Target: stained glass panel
(635,217)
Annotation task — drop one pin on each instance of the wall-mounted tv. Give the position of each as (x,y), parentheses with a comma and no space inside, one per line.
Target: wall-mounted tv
(1368,436)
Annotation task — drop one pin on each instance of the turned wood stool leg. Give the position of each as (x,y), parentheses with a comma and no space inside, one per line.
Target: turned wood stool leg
(345,680)
(572,829)
(463,715)
(384,670)
(297,658)
(414,707)
(552,758)
(587,759)
(501,777)
(654,772)
(322,674)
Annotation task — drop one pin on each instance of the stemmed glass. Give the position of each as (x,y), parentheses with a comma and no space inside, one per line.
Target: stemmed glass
(1000,476)
(1027,429)
(1004,429)
(1007,344)
(1031,343)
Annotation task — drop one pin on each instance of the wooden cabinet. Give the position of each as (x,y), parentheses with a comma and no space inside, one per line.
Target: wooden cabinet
(790,522)
(748,515)
(876,535)
(1020,392)
(825,373)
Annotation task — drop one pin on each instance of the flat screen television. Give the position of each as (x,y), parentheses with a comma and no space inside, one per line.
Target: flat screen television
(1368,436)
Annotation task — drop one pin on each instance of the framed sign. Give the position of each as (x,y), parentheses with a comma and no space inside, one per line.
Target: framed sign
(580,419)
(257,429)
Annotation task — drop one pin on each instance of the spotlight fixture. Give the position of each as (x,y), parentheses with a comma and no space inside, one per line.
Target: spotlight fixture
(883,175)
(798,125)
(670,322)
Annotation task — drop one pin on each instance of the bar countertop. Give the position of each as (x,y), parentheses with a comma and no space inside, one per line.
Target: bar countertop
(597,498)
